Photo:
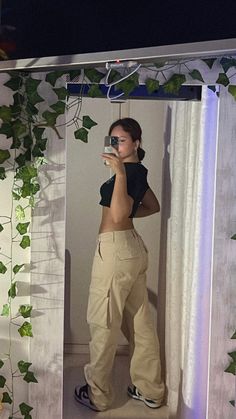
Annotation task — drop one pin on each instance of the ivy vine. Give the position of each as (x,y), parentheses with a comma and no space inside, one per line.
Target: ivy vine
(26,122)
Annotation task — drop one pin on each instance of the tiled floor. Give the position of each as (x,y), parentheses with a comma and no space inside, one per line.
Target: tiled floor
(123,408)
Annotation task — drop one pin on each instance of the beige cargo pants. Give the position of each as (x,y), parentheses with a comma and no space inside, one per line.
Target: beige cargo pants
(118,300)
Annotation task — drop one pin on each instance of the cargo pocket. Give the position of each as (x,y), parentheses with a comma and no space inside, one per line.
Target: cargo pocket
(98,311)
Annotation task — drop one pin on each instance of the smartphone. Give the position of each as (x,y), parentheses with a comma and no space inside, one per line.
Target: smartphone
(110,142)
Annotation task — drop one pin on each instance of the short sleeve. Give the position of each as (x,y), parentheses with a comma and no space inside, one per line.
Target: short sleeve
(137,186)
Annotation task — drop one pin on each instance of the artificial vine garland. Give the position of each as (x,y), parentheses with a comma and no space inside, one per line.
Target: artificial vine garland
(26,124)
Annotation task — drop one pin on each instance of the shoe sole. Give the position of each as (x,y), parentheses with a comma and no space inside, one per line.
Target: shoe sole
(92,407)
(142,399)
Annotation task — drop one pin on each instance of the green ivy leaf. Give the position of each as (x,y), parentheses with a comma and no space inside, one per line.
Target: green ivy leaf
(19,128)
(6,398)
(20,213)
(17,268)
(50,118)
(231,368)
(232,90)
(24,366)
(74,73)
(22,228)
(5,310)
(174,83)
(114,76)
(31,86)
(3,268)
(26,329)
(152,85)
(37,152)
(227,63)
(88,122)
(61,93)
(26,173)
(2,173)
(25,408)
(209,62)
(2,381)
(233,238)
(93,75)
(234,335)
(59,107)
(1,363)
(25,242)
(232,402)
(129,84)
(6,129)
(27,140)
(14,83)
(81,134)
(222,79)
(38,133)
(95,91)
(16,143)
(196,75)
(5,113)
(20,160)
(25,310)
(4,155)
(31,110)
(53,76)
(12,291)
(30,378)
(1,228)
(232,355)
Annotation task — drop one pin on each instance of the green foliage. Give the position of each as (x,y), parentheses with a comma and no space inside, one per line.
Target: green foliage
(4,155)
(234,335)
(93,75)
(2,381)
(1,228)
(53,76)
(61,93)
(95,91)
(24,366)
(223,79)
(30,377)
(1,363)
(196,75)
(12,290)
(209,62)
(17,268)
(25,242)
(128,85)
(2,173)
(88,122)
(25,310)
(152,85)
(25,408)
(6,398)
(81,134)
(3,268)
(5,310)
(20,213)
(22,227)
(174,84)
(26,329)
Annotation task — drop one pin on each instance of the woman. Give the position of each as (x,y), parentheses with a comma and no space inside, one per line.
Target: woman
(118,295)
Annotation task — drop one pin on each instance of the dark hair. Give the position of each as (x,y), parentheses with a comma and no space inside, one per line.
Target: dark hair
(133,128)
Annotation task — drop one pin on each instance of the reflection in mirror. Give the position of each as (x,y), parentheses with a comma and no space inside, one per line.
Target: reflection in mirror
(85,173)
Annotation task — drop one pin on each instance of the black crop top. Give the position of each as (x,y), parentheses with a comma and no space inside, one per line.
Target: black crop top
(137,185)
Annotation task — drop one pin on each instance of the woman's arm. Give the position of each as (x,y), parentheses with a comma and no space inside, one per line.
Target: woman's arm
(121,203)
(149,205)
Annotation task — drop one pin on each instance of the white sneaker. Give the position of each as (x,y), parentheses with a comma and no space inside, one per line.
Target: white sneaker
(82,396)
(135,394)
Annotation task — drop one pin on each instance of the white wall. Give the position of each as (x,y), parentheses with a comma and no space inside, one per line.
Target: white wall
(85,174)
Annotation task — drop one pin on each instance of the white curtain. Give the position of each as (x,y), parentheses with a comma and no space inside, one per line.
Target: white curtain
(191,156)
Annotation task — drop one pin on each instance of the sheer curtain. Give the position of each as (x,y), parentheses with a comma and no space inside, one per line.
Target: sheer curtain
(190,161)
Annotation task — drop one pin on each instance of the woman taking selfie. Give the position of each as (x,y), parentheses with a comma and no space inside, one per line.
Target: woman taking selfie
(118,298)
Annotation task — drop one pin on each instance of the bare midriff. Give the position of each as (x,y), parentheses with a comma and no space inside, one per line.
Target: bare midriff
(107,224)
